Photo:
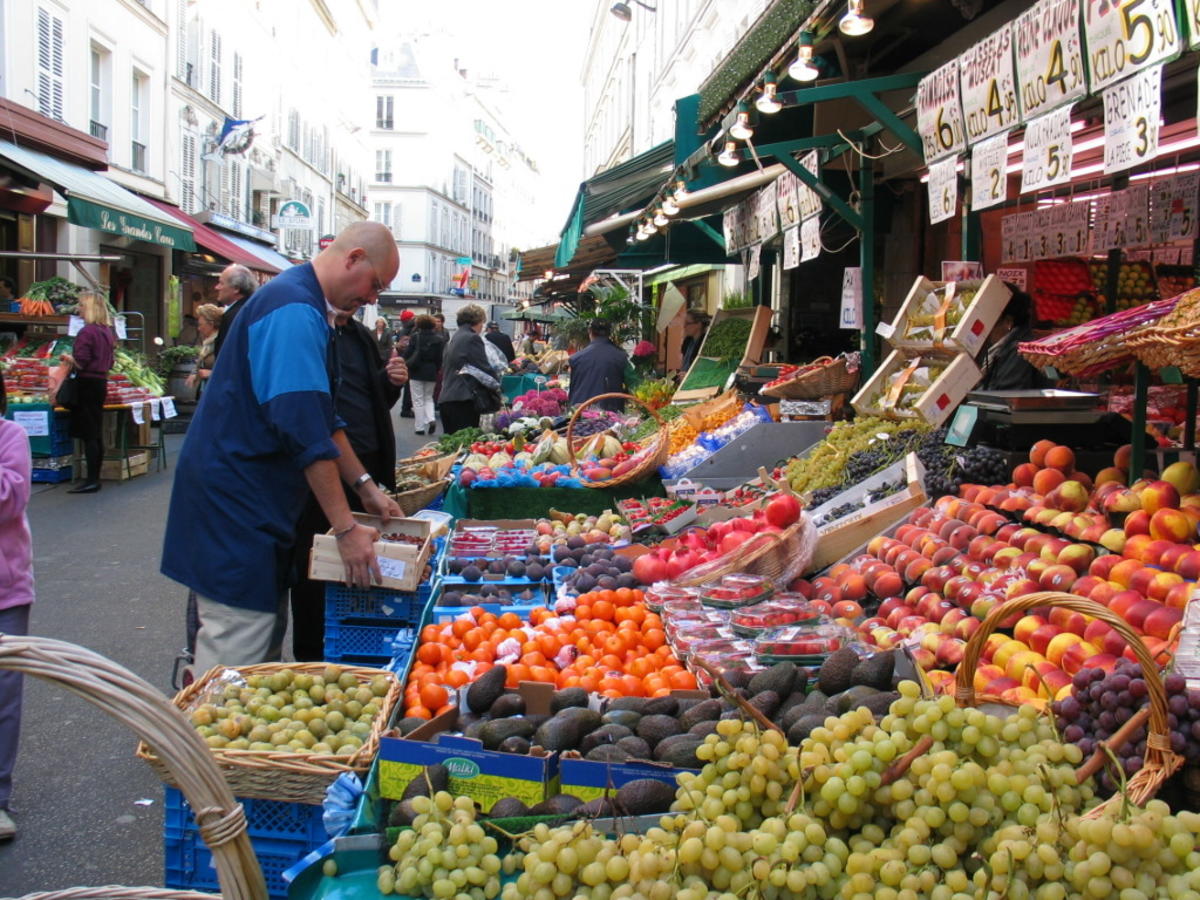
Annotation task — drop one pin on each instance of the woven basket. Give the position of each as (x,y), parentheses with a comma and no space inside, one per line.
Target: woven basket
(281,775)
(418,459)
(1160,761)
(181,751)
(822,377)
(418,498)
(1097,345)
(1174,339)
(779,557)
(657,446)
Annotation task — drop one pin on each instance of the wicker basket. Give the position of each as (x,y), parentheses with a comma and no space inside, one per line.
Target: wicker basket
(1160,761)
(421,456)
(779,557)
(1174,339)
(181,751)
(417,499)
(1097,345)
(281,775)
(657,446)
(822,377)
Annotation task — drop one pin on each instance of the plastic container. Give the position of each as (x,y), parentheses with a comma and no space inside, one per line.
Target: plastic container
(659,594)
(394,607)
(736,590)
(687,639)
(780,610)
(378,643)
(802,644)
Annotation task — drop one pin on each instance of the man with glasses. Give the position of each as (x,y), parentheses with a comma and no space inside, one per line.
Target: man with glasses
(265,434)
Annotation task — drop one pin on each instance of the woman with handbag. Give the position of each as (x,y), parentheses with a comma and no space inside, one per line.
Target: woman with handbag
(91,361)
(468,390)
(424,359)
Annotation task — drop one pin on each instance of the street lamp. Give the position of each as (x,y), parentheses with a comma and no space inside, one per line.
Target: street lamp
(624,13)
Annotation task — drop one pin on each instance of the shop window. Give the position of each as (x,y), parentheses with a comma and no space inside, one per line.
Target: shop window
(99,92)
(139,114)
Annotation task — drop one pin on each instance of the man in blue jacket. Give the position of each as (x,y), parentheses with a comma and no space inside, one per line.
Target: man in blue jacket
(264,435)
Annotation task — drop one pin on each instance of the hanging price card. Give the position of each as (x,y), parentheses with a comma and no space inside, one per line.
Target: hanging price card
(1039,227)
(1049,53)
(939,113)
(1131,115)
(766,213)
(1184,190)
(1014,237)
(810,238)
(791,248)
(989,85)
(753,262)
(787,199)
(1127,36)
(851,314)
(168,407)
(119,328)
(729,229)
(989,183)
(1069,229)
(1104,224)
(1137,215)
(1047,157)
(810,200)
(139,415)
(943,190)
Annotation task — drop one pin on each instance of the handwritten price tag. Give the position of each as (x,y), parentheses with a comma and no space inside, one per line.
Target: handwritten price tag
(943,190)
(36,424)
(168,407)
(939,113)
(989,181)
(851,313)
(391,568)
(989,86)
(791,248)
(1128,36)
(138,413)
(810,238)
(1049,56)
(1132,110)
(787,198)
(1047,157)
(810,200)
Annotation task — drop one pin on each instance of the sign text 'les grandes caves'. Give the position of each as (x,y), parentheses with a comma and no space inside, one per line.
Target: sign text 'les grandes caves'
(1049,54)
(989,86)
(939,113)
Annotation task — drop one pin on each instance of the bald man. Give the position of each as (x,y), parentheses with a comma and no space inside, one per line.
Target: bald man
(264,435)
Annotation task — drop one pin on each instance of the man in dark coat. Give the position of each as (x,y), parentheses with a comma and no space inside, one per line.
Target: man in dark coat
(1004,369)
(599,368)
(235,284)
(501,340)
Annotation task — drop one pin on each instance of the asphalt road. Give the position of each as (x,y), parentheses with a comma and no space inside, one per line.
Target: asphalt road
(89,812)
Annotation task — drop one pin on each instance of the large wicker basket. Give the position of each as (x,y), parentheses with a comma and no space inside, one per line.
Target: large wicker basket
(1174,339)
(779,557)
(281,775)
(437,468)
(1160,761)
(1097,345)
(822,377)
(180,752)
(655,449)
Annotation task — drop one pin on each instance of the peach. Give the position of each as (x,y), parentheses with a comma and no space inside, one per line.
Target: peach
(1137,613)
(983,606)
(1183,476)
(1105,661)
(1171,525)
(1074,656)
(967,627)
(1123,601)
(992,644)
(1026,626)
(1103,565)
(1122,572)
(1123,457)
(1041,638)
(1047,480)
(1102,635)
(1162,584)
(1067,620)
(1073,496)
(1188,565)
(1018,662)
(1057,577)
(1037,453)
(1077,556)
(1024,473)
(1035,674)
(1058,647)
(1178,596)
(888,584)
(1061,458)
(1136,545)
(1007,651)
(1118,504)
(985,674)
(1102,592)
(1113,474)
(1160,495)
(1160,622)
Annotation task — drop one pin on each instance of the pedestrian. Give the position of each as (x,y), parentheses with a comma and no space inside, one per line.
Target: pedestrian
(264,435)
(92,358)
(599,368)
(234,286)
(501,340)
(383,337)
(368,388)
(8,290)
(408,320)
(16,591)
(466,391)
(695,324)
(209,319)
(424,359)
(440,326)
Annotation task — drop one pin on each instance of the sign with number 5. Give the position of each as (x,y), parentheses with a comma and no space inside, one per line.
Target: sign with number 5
(1125,37)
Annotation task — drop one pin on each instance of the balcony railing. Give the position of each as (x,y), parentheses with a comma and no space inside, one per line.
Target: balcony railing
(139,157)
(97,130)
(383,177)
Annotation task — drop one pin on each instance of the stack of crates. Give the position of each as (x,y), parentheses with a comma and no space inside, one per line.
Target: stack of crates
(51,451)
(280,833)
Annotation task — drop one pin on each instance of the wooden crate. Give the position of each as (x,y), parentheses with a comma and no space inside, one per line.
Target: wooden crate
(935,404)
(984,311)
(116,470)
(760,324)
(402,564)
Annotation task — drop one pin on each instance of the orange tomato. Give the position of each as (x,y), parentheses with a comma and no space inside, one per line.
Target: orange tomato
(456,678)
(430,654)
(418,712)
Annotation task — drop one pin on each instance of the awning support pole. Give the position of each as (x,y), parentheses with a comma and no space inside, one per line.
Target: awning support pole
(866,251)
(1141,391)
(840,206)
(704,227)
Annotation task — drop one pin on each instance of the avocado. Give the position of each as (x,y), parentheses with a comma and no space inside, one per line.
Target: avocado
(410,723)
(853,698)
(661,706)
(666,744)
(644,796)
(626,717)
(558,805)
(875,671)
(473,729)
(594,809)
(837,671)
(682,753)
(803,728)
(402,814)
(427,783)
(704,711)
(793,715)
(496,731)
(766,702)
(792,701)
(605,734)
(607,753)
(779,678)
(703,729)
(487,689)
(637,704)
(635,747)
(653,729)
(568,697)
(507,705)
(737,678)
(507,808)
(815,702)
(514,744)
(880,703)
(565,730)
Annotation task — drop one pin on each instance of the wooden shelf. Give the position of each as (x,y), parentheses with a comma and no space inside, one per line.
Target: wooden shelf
(18,319)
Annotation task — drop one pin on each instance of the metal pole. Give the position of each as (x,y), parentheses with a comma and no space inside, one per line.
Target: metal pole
(1189,425)
(1141,390)
(866,258)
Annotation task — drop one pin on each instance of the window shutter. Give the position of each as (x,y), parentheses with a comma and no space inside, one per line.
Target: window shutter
(188,170)
(237,85)
(235,189)
(222,202)
(181,39)
(49,64)
(214,78)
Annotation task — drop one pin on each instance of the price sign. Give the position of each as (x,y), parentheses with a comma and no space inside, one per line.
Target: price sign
(168,407)
(766,213)
(36,424)
(810,238)
(1137,215)
(119,326)
(1104,224)
(74,325)
(138,414)
(1191,10)
(1070,229)
(787,199)
(791,248)
(1017,275)
(1128,36)
(810,200)
(1047,157)
(753,261)
(1049,53)
(155,409)
(851,315)
(1039,246)
(989,86)
(1184,189)
(943,190)
(1131,115)
(1014,237)
(729,228)
(939,113)
(989,183)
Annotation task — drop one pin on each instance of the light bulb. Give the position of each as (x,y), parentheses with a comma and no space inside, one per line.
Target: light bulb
(670,207)
(741,130)
(854,23)
(649,227)
(681,192)
(549,273)
(728,156)
(803,69)
(642,235)
(660,218)
(766,102)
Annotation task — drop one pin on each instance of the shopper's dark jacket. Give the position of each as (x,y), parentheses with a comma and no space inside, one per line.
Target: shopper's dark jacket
(599,368)
(504,342)
(385,395)
(424,355)
(465,348)
(1006,370)
(226,320)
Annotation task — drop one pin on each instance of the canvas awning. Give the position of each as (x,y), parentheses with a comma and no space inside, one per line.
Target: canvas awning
(95,201)
(218,243)
(268,255)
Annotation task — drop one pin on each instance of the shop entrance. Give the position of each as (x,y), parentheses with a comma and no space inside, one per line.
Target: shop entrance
(136,286)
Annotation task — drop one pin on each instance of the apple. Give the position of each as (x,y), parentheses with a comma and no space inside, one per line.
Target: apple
(1160,622)
(1102,565)
(1034,676)
(948,624)
(1026,626)
(1074,656)
(1058,647)
(984,605)
(950,651)
(1159,495)
(1058,577)
(1042,636)
(1179,596)
(966,628)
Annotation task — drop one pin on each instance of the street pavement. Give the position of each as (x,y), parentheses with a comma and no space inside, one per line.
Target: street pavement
(89,812)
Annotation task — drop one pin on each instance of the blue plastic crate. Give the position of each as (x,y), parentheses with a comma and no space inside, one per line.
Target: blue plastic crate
(368,643)
(188,863)
(51,476)
(399,607)
(559,576)
(270,819)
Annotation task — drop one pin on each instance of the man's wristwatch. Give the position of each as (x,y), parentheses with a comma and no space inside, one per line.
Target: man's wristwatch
(363,479)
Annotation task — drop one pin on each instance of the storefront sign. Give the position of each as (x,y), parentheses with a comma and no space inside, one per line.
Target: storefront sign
(851,314)
(791,247)
(989,86)
(1131,116)
(1127,36)
(989,181)
(943,190)
(787,199)
(1047,156)
(810,238)
(1173,208)
(810,200)
(293,214)
(939,113)
(1014,237)
(1049,50)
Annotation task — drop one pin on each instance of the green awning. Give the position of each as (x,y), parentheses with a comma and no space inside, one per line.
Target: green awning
(677,274)
(95,201)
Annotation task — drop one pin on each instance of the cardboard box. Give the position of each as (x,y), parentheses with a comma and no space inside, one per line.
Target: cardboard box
(935,404)
(116,470)
(402,565)
(983,312)
(760,324)
(587,779)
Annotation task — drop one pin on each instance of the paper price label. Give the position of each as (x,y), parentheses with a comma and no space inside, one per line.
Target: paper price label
(791,248)
(1128,36)
(989,86)
(810,238)
(851,313)
(1068,229)
(137,413)
(1047,157)
(787,199)
(943,190)
(155,410)
(168,407)
(36,424)
(1014,237)
(391,568)
(753,261)
(810,200)
(74,325)
(1049,56)
(939,113)
(1184,189)
(766,213)
(1131,116)
(1017,275)
(989,181)
(119,326)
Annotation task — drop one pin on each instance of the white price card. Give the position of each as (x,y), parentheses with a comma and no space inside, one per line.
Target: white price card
(810,200)
(753,261)
(155,409)
(119,325)
(138,416)
(1104,224)
(168,407)
(1127,36)
(787,199)
(1047,155)
(1137,215)
(1191,11)
(989,181)
(1184,189)
(391,568)
(943,190)
(767,213)
(810,238)
(791,248)
(939,113)
(1049,52)
(989,85)
(1038,230)
(1132,109)
(851,314)
(1069,227)
(74,325)
(36,423)
(1014,237)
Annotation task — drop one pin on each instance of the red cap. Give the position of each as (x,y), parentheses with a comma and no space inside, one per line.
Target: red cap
(406,315)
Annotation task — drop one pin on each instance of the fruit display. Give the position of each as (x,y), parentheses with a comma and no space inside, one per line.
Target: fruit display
(457,597)
(594,566)
(823,464)
(934,312)
(668,516)
(1174,280)
(710,441)
(1135,283)
(1062,292)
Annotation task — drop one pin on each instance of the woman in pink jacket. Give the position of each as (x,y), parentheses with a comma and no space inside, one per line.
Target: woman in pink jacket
(16,590)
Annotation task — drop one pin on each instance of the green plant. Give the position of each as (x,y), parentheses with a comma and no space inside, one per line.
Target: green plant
(737,300)
(629,320)
(169,358)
